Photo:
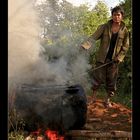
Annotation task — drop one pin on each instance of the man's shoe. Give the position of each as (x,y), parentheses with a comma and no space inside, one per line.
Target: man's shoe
(111,94)
(108,104)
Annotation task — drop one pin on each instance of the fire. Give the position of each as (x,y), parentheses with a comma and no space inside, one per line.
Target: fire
(53,135)
(50,134)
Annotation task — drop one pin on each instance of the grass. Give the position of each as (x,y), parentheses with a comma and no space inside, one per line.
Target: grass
(16,135)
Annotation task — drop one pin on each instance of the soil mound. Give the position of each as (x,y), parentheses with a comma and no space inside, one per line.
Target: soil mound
(101,118)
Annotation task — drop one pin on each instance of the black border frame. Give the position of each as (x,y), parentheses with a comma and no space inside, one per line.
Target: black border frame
(3,69)
(135,69)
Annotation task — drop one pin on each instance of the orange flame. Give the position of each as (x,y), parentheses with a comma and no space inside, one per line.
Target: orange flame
(53,135)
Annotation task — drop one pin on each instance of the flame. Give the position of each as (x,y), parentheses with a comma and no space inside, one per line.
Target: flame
(53,135)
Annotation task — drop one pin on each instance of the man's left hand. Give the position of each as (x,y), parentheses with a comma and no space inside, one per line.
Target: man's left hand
(116,60)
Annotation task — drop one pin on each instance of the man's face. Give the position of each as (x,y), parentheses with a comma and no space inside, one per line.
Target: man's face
(117,17)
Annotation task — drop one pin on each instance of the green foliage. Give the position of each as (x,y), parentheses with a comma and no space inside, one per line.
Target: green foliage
(16,135)
(125,76)
(91,19)
(127,5)
(59,19)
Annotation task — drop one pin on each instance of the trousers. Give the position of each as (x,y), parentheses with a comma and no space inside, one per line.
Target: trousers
(105,75)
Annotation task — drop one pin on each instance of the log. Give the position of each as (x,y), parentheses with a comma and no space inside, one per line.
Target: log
(90,120)
(98,134)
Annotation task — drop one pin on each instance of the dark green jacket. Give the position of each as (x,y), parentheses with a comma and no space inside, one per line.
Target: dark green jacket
(103,33)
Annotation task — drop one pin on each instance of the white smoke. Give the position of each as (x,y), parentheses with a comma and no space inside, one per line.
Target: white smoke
(23,46)
(24,62)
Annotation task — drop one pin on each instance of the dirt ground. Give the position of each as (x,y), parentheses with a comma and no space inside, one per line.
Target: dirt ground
(100,118)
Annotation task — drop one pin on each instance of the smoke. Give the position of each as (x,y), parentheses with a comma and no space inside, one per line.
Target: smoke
(26,65)
(29,66)
(23,46)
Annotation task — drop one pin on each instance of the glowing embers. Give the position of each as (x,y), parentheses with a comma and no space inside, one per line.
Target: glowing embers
(47,135)
(53,135)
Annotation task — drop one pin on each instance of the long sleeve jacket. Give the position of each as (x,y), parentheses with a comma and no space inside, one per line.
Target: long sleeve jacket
(103,33)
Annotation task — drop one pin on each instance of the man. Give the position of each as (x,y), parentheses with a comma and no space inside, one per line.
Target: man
(114,44)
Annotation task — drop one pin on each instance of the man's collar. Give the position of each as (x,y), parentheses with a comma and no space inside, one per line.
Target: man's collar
(111,21)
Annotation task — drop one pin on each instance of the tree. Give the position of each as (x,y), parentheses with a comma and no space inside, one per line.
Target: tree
(98,15)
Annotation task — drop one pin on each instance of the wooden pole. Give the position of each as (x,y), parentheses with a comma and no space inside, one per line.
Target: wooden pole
(98,134)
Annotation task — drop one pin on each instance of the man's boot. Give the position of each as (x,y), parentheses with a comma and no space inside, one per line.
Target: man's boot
(108,103)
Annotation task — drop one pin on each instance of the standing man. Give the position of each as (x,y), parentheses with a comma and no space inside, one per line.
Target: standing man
(114,45)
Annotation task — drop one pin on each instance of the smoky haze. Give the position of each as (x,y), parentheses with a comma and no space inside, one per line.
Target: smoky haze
(26,65)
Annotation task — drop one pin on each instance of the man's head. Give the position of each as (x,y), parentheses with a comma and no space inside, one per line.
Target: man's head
(117,14)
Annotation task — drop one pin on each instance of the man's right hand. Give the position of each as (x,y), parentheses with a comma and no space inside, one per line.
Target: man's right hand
(82,48)
(116,60)
(86,45)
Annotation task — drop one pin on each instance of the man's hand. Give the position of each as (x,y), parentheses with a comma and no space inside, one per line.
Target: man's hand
(82,47)
(86,45)
(116,60)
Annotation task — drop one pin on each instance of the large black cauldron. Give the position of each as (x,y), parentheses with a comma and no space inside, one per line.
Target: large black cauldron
(53,107)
